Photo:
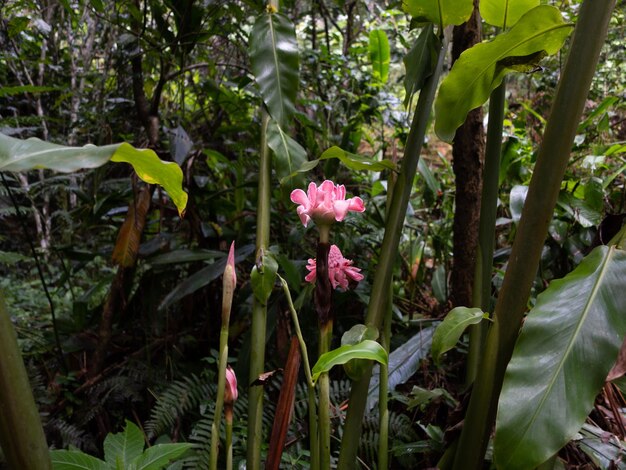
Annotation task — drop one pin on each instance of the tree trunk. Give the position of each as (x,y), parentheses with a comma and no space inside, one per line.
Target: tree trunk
(467,152)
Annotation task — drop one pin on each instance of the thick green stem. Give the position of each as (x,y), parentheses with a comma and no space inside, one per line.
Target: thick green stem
(543,192)
(487,225)
(228,414)
(219,400)
(313,437)
(326,334)
(383,410)
(21,434)
(388,253)
(259,310)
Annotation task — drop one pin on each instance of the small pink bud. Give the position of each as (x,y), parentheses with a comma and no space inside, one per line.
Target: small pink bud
(229,284)
(230,391)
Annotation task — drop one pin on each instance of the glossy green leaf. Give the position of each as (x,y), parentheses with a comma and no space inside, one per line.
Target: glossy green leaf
(452,327)
(357,162)
(158,456)
(357,367)
(481,69)
(367,349)
(290,155)
(124,447)
(263,277)
(505,13)
(380,55)
(569,342)
(76,460)
(440,12)
(420,62)
(29,154)
(274,62)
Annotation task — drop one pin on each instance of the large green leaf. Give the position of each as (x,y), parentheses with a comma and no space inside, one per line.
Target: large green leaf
(29,154)
(124,447)
(367,349)
(440,12)
(380,55)
(569,342)
(75,460)
(274,61)
(420,62)
(505,13)
(481,69)
(156,457)
(263,277)
(290,155)
(452,327)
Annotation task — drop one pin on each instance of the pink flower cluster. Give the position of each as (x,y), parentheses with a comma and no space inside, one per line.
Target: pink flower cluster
(325,204)
(340,269)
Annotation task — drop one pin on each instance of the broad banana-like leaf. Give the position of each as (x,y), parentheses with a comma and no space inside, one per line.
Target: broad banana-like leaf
(380,55)
(73,460)
(29,154)
(452,327)
(440,12)
(569,342)
(274,61)
(290,155)
(420,62)
(481,68)
(159,455)
(366,349)
(124,447)
(505,13)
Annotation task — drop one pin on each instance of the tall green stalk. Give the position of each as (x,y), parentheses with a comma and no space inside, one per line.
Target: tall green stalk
(21,434)
(393,228)
(481,294)
(543,192)
(259,310)
(383,409)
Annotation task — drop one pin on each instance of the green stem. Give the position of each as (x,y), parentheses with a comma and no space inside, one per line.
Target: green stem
(21,434)
(543,192)
(487,226)
(383,410)
(326,334)
(313,437)
(388,253)
(219,400)
(259,310)
(228,413)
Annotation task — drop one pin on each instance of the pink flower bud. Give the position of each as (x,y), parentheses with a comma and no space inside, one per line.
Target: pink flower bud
(339,269)
(229,284)
(325,204)
(230,391)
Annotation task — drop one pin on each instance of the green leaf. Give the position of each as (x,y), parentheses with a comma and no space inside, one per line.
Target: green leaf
(569,342)
(505,13)
(124,447)
(355,368)
(29,154)
(156,457)
(16,90)
(357,162)
(75,460)
(263,277)
(481,69)
(367,349)
(290,155)
(420,62)
(440,12)
(380,55)
(274,61)
(452,327)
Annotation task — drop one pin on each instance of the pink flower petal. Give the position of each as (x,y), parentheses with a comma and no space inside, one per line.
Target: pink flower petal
(299,197)
(341,209)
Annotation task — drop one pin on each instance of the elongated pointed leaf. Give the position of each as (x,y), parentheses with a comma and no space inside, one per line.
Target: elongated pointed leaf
(75,460)
(274,61)
(357,162)
(420,62)
(156,457)
(505,13)
(290,155)
(440,12)
(481,69)
(452,327)
(29,154)
(124,447)
(380,55)
(568,344)
(367,349)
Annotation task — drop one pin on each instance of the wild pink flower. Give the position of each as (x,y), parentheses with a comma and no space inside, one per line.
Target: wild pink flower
(339,269)
(325,204)
(230,391)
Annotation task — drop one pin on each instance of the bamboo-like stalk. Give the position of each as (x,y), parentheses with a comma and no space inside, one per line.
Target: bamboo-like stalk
(21,434)
(259,310)
(552,161)
(388,252)
(383,410)
(481,294)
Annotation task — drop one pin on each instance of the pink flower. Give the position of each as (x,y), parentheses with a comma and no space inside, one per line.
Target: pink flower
(325,204)
(339,269)
(230,391)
